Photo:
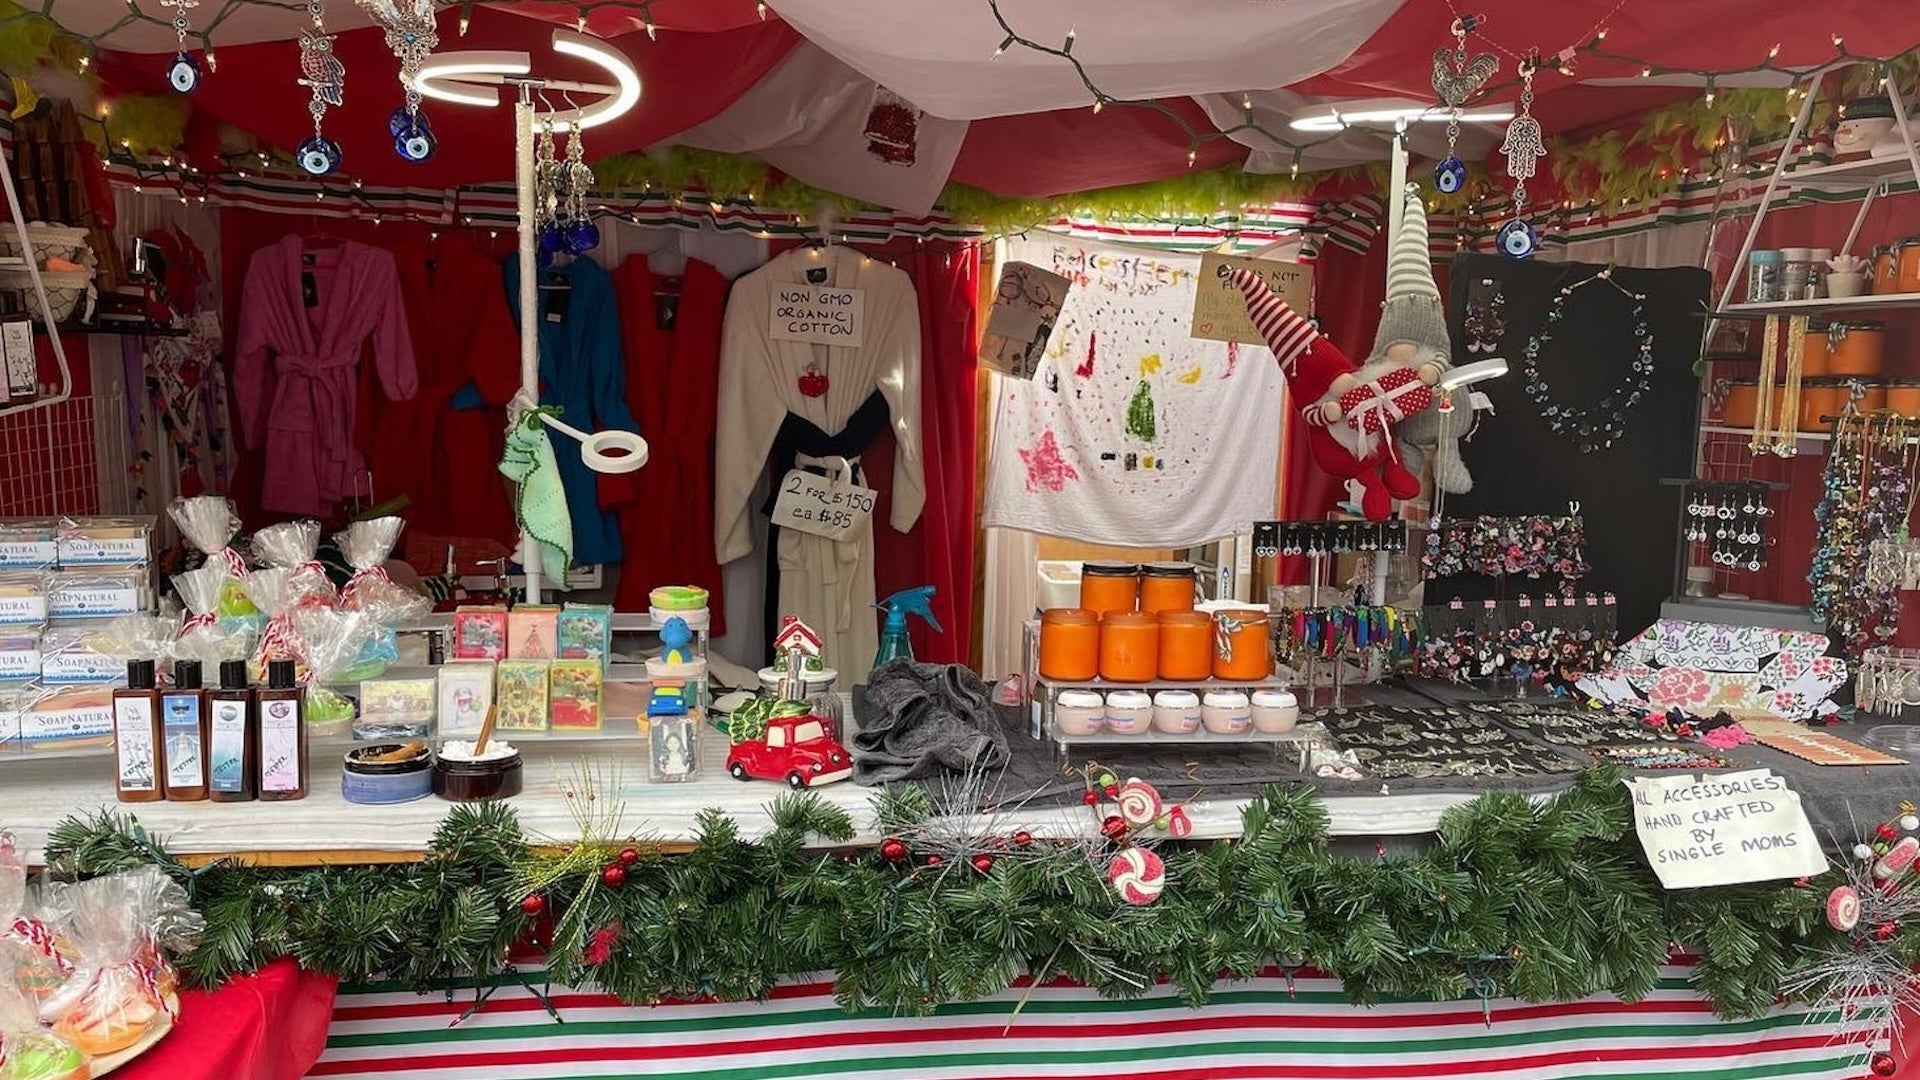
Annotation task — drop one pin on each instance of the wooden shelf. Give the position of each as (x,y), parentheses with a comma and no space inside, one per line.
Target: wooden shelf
(1859,173)
(1816,307)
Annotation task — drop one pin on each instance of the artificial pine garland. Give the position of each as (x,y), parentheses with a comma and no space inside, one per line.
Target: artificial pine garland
(1540,902)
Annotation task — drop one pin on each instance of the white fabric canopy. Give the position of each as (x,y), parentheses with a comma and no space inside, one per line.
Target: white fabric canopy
(808,118)
(930,51)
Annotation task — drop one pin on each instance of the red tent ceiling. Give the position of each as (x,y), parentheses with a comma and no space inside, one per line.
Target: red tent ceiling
(709,53)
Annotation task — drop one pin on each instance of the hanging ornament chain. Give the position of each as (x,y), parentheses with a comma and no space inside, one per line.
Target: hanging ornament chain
(325,76)
(1455,80)
(580,235)
(412,36)
(1593,434)
(183,72)
(1524,148)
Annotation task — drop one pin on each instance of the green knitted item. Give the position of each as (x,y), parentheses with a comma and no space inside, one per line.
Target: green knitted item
(540,503)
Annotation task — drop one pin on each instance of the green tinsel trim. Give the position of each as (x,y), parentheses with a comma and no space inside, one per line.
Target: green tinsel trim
(1541,902)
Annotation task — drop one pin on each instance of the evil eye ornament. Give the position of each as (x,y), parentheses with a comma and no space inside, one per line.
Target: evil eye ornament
(549,243)
(581,237)
(318,156)
(415,143)
(1450,175)
(398,122)
(184,73)
(1518,239)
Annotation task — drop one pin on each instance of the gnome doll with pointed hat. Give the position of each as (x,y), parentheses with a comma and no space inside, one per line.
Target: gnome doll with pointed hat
(1413,317)
(1353,410)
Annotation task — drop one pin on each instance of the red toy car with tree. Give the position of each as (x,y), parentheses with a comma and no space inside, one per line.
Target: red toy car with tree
(796,749)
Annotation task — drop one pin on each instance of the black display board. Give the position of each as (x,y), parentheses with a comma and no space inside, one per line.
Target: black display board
(1521,466)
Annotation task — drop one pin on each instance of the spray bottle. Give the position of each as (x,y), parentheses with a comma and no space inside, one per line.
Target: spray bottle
(894,644)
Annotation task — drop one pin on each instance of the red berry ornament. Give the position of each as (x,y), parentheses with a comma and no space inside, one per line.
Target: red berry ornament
(1091,798)
(1882,1064)
(983,862)
(1023,838)
(533,905)
(813,382)
(1112,790)
(1886,832)
(933,860)
(893,849)
(614,876)
(629,856)
(1114,828)
(1885,931)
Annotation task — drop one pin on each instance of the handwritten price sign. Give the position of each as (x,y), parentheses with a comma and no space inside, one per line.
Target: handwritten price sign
(824,506)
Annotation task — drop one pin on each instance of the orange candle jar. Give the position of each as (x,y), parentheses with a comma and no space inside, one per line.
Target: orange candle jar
(1168,586)
(1186,645)
(1244,648)
(1129,647)
(1069,644)
(1109,586)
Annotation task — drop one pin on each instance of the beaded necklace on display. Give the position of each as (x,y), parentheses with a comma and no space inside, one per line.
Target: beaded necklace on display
(1581,422)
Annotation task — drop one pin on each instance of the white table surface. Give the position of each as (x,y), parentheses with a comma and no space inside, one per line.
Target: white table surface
(36,794)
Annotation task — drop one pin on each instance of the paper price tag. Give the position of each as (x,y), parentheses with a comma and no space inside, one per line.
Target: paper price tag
(818,315)
(824,506)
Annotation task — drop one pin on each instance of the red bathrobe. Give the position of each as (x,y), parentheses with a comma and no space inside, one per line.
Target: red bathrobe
(447,460)
(673,373)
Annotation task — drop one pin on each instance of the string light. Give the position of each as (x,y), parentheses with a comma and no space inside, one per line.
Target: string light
(760,9)
(646,22)
(85,60)
(1709,91)
(1004,46)
(1068,47)
(466,17)
(1774,52)
(580,22)
(1098,104)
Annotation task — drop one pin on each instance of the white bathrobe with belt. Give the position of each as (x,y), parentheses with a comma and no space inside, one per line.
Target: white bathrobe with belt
(827,583)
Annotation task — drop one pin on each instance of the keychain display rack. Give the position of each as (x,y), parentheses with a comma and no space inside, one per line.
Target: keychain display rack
(1728,520)
(1311,538)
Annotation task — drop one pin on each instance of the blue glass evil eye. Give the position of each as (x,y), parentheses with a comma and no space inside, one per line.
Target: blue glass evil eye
(318,156)
(1450,175)
(415,143)
(581,237)
(1518,239)
(184,73)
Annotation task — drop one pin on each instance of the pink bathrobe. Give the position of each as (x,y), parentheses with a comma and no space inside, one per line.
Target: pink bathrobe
(296,367)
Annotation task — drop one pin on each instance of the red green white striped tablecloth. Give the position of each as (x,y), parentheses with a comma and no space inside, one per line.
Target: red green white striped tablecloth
(1253,1030)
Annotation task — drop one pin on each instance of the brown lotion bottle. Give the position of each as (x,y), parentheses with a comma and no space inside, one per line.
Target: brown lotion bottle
(283,735)
(233,737)
(183,729)
(136,737)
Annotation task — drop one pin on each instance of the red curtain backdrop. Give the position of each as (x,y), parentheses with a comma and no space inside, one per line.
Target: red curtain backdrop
(1347,290)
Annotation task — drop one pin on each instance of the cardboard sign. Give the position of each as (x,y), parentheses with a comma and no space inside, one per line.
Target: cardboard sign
(1723,830)
(818,315)
(826,506)
(1220,312)
(1024,310)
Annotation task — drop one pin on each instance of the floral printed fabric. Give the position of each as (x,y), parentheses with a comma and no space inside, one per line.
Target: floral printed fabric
(1708,667)
(1498,547)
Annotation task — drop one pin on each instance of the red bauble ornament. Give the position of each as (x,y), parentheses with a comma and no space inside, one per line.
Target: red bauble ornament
(893,849)
(629,856)
(1091,798)
(813,382)
(1114,827)
(983,862)
(614,876)
(533,905)
(1882,1064)
(1886,832)
(933,860)
(1113,790)
(1885,931)
(1023,838)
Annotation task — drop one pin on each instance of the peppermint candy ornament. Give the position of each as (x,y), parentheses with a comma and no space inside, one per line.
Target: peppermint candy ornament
(1139,803)
(1138,876)
(1843,908)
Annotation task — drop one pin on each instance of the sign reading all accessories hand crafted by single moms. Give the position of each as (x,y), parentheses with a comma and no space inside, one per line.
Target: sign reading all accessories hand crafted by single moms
(1723,830)
(818,315)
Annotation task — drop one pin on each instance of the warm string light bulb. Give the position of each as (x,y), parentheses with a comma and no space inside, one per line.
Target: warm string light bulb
(1774,52)
(466,17)
(646,23)
(1068,47)
(580,22)
(1192,156)
(1098,104)
(213,62)
(1004,46)
(1709,91)
(760,9)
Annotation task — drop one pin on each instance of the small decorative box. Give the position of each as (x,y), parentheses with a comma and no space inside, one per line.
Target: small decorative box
(520,693)
(395,709)
(466,693)
(533,632)
(586,632)
(574,694)
(480,633)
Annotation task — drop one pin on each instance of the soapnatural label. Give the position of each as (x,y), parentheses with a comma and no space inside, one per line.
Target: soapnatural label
(104,551)
(80,601)
(19,662)
(79,665)
(27,554)
(228,731)
(22,606)
(133,743)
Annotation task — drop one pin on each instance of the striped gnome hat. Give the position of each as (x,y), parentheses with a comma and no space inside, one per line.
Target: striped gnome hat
(1413,311)
(1309,362)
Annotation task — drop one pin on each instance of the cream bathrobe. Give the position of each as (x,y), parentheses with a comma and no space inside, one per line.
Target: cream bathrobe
(828,584)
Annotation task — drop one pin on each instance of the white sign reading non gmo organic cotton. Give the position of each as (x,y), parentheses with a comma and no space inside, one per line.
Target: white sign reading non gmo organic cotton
(818,315)
(1723,830)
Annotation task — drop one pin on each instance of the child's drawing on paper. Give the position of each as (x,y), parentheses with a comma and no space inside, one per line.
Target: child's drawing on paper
(1156,418)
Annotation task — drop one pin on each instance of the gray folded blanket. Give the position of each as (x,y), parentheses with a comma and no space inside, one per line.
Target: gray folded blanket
(922,718)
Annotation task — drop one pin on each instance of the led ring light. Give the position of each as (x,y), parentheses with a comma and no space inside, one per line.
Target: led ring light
(475,77)
(611,452)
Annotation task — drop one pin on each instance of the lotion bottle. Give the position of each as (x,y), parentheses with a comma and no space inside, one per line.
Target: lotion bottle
(183,725)
(136,737)
(233,740)
(283,735)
